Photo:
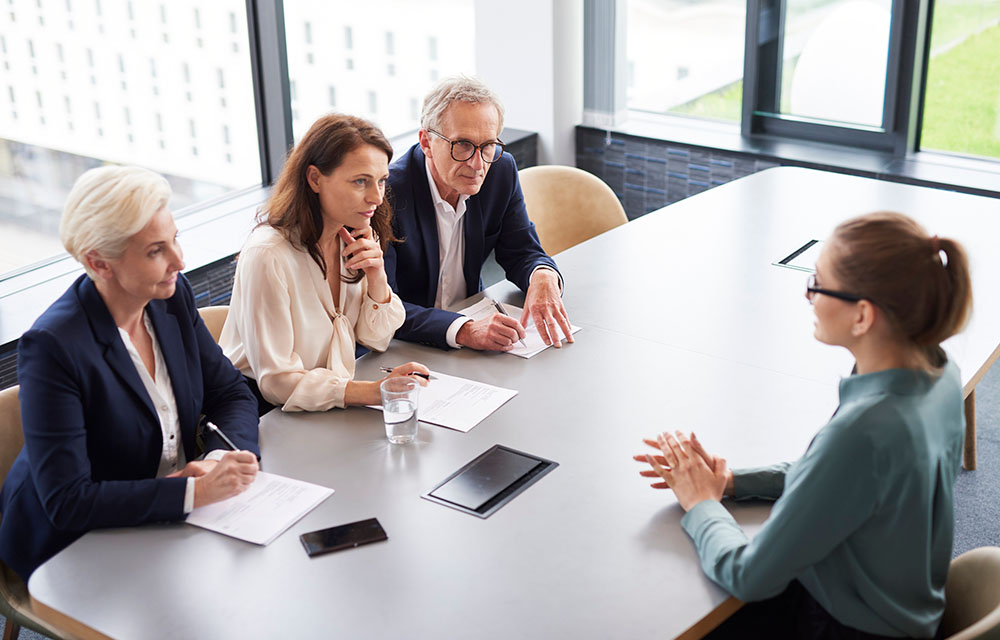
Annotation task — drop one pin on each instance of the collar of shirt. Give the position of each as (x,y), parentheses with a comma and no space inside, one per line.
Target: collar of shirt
(451,246)
(441,206)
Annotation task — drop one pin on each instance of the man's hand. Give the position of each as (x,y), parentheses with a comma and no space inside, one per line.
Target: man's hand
(496,333)
(544,305)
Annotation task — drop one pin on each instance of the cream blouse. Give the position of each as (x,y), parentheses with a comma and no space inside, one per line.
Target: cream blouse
(284,331)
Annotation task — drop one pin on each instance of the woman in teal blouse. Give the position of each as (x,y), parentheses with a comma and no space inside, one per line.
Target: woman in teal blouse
(860,536)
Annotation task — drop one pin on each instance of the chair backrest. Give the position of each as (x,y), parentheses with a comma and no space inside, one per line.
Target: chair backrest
(214,318)
(569,205)
(11,434)
(972,596)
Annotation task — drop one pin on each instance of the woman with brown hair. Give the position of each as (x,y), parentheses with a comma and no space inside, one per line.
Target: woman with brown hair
(310,281)
(860,536)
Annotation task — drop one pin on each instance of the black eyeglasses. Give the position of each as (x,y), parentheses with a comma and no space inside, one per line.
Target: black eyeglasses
(462,150)
(812,290)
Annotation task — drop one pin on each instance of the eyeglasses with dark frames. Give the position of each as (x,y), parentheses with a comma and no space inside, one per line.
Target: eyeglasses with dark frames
(463,150)
(812,290)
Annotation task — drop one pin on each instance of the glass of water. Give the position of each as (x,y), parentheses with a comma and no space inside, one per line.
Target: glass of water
(399,408)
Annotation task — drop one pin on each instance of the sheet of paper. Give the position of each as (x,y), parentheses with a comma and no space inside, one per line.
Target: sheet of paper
(264,511)
(458,403)
(533,343)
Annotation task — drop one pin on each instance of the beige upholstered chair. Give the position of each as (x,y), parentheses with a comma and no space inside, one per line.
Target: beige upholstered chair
(14,602)
(214,318)
(972,596)
(569,205)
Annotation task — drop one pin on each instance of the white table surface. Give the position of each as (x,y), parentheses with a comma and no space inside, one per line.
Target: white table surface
(686,324)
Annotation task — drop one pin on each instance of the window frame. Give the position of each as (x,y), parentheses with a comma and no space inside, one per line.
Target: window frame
(906,77)
(905,70)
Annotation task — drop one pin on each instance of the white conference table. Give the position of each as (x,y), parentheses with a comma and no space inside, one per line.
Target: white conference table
(716,342)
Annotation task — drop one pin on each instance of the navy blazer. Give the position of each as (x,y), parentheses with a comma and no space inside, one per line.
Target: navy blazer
(495,220)
(92,437)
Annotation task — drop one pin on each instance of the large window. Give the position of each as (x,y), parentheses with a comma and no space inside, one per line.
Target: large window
(962,100)
(375,59)
(686,57)
(828,59)
(165,85)
(895,76)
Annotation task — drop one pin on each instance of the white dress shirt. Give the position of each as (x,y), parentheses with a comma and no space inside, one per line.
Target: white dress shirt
(451,254)
(161,392)
(284,330)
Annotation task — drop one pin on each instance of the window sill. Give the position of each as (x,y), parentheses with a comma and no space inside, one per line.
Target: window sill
(208,232)
(927,168)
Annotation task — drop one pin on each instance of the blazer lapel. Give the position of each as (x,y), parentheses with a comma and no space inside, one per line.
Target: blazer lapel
(475,245)
(106,334)
(426,219)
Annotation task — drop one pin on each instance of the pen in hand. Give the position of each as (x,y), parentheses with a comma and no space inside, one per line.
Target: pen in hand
(412,373)
(503,312)
(217,431)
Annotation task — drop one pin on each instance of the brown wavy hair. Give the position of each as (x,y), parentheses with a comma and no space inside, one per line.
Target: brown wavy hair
(293,208)
(922,282)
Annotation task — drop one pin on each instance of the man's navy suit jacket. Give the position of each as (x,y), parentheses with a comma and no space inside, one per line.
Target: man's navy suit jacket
(495,220)
(92,437)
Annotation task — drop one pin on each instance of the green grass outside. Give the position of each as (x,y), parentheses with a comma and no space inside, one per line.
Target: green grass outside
(962,104)
(954,19)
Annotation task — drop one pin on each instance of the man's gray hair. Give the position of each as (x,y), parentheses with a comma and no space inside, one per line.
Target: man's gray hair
(459,88)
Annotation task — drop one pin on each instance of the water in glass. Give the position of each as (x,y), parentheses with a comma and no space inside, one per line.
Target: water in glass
(400,420)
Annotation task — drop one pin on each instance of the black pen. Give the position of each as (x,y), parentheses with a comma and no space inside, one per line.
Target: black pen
(412,373)
(500,308)
(217,431)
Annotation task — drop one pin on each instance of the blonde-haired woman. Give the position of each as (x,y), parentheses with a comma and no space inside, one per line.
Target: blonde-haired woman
(860,536)
(114,376)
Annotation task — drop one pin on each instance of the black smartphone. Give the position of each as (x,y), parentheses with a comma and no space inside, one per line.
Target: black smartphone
(346,536)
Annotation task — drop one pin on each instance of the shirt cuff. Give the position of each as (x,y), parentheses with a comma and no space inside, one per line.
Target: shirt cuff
(452,335)
(189,496)
(703,513)
(558,275)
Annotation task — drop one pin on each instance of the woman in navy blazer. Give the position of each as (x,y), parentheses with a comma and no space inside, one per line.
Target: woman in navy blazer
(114,378)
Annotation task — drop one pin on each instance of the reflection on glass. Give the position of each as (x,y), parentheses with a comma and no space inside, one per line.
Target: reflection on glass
(166,86)
(376,57)
(834,60)
(686,57)
(962,98)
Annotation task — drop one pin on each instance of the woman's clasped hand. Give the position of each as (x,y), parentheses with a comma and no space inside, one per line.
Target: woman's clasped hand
(684,466)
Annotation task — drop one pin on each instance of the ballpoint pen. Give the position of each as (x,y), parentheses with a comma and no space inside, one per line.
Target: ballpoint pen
(217,431)
(412,373)
(499,308)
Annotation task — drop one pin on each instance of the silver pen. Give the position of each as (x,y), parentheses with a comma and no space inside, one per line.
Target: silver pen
(500,309)
(217,431)
(412,373)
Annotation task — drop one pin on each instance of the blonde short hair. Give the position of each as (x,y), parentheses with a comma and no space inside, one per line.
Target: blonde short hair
(106,207)
(459,88)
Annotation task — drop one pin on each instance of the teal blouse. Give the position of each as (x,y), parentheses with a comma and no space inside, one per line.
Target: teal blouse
(865,519)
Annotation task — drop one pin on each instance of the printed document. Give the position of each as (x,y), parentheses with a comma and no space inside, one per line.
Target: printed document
(269,506)
(458,403)
(533,343)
